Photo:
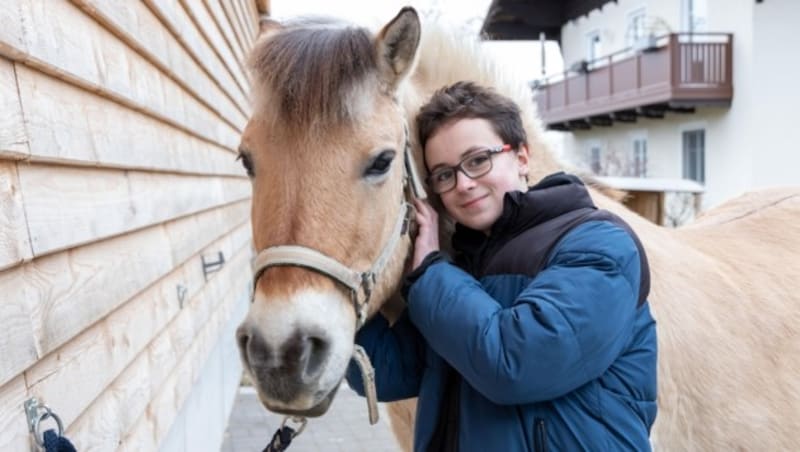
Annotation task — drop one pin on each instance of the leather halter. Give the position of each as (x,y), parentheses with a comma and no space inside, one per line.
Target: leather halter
(360,283)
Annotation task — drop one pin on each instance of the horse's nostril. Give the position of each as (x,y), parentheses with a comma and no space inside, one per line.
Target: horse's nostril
(299,360)
(315,352)
(241,339)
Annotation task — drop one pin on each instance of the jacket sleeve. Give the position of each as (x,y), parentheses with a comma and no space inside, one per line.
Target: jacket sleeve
(564,329)
(397,355)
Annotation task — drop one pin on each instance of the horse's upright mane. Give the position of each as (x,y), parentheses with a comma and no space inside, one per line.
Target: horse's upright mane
(311,74)
(448,55)
(307,70)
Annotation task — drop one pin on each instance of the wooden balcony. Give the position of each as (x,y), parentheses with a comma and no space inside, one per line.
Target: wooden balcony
(672,73)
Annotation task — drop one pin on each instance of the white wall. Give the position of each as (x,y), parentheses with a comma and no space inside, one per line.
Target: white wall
(612,21)
(663,143)
(201,423)
(776,93)
(747,145)
(729,140)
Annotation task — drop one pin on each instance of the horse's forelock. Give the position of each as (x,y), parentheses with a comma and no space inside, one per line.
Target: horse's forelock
(310,72)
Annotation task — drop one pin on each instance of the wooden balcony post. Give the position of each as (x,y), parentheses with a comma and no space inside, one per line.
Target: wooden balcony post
(546,96)
(729,62)
(638,76)
(586,95)
(674,60)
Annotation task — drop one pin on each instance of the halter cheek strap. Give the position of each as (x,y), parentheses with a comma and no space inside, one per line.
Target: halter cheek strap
(412,178)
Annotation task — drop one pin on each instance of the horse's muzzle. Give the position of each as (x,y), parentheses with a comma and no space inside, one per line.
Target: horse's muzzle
(315,411)
(285,374)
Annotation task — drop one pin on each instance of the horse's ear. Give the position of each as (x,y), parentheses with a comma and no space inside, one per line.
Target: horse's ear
(397,46)
(267,26)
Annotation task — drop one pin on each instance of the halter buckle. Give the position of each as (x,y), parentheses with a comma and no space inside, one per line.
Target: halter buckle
(407,219)
(368,280)
(299,420)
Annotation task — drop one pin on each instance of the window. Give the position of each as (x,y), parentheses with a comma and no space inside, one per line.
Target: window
(694,155)
(639,157)
(694,14)
(594,48)
(595,159)
(636,27)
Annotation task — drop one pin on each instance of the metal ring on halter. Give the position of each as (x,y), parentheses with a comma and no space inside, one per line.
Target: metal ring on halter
(37,436)
(296,419)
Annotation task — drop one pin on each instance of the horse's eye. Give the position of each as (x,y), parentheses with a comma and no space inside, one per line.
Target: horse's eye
(381,164)
(246,162)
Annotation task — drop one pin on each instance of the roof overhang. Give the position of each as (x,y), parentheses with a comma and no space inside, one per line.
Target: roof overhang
(525,19)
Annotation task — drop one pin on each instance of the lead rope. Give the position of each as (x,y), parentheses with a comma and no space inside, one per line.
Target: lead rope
(284,436)
(368,377)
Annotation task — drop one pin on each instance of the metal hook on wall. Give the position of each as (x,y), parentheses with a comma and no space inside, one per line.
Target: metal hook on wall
(212,267)
(36,413)
(181,290)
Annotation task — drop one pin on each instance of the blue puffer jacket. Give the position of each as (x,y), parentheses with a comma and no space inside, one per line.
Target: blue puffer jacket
(559,356)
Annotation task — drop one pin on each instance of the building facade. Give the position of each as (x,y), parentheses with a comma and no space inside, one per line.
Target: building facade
(729,143)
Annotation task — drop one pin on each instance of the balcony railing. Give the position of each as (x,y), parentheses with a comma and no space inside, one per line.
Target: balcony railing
(675,72)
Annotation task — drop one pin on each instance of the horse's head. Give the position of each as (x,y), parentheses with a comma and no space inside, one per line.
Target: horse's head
(325,151)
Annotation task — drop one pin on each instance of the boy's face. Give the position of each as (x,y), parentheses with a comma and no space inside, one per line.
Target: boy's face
(476,203)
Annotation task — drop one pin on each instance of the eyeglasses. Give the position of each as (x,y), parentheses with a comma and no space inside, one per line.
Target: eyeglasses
(473,166)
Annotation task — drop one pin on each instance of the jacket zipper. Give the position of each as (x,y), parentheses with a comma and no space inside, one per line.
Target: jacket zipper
(539,436)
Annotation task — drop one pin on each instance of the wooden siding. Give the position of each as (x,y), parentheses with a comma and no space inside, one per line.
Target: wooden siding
(119,122)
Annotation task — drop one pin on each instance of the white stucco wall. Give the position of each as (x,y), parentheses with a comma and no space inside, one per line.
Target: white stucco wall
(748,145)
(612,21)
(729,140)
(776,93)
(201,423)
(664,143)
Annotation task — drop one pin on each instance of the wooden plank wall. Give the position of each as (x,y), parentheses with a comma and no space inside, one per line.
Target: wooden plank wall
(119,121)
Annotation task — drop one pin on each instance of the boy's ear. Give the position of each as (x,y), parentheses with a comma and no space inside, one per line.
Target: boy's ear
(523,159)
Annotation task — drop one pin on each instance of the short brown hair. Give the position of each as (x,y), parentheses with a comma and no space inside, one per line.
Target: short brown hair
(469,100)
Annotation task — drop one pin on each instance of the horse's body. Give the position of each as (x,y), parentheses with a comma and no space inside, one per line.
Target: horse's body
(728,319)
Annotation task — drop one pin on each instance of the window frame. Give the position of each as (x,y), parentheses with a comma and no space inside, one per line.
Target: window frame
(632,38)
(593,36)
(690,13)
(693,156)
(595,159)
(636,162)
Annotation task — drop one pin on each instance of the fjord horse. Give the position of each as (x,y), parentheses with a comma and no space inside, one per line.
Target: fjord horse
(325,150)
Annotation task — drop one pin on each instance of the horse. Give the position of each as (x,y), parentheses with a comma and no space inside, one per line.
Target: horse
(326,150)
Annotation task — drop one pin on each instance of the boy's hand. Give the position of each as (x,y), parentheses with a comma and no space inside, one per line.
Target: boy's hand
(427,239)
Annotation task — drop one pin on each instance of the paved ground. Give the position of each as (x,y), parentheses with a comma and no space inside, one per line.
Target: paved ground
(344,428)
